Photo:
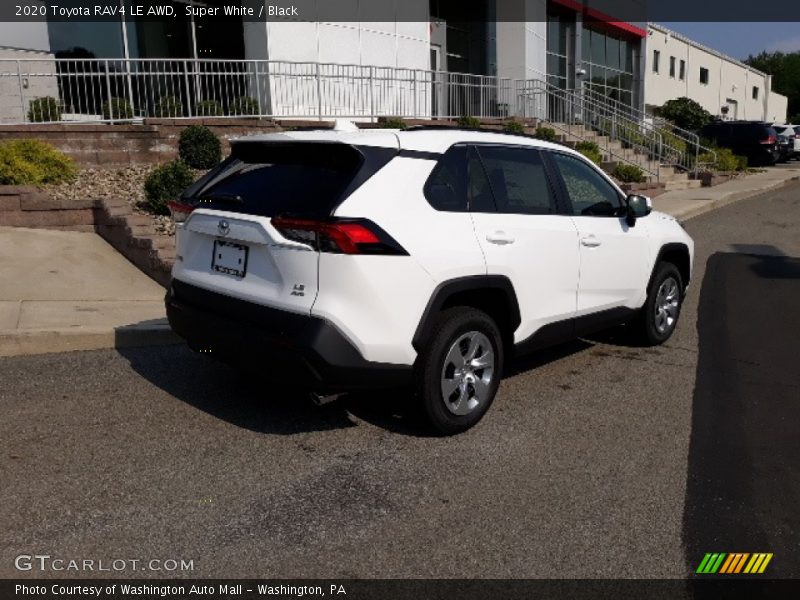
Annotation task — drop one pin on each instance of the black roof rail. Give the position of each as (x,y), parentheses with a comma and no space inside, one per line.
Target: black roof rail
(461,128)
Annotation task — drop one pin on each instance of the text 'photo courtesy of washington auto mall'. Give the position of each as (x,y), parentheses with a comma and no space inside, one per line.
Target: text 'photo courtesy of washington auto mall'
(394,300)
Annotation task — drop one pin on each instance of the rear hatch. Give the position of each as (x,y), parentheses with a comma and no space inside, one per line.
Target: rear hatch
(228,243)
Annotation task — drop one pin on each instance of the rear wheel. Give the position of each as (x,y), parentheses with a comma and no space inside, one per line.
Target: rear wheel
(660,313)
(458,372)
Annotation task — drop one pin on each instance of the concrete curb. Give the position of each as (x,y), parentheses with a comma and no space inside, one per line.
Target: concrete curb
(735,197)
(35,341)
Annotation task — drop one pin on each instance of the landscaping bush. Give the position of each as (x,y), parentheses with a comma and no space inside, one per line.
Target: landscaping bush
(726,160)
(199,148)
(685,113)
(394,123)
(548,134)
(514,127)
(628,173)
(32,162)
(44,109)
(470,122)
(590,150)
(208,108)
(243,106)
(117,109)
(165,184)
(169,107)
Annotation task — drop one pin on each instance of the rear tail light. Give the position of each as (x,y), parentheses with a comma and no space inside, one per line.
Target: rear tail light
(770,140)
(179,211)
(339,236)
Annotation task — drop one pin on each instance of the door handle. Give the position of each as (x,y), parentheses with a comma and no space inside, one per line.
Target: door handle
(499,237)
(590,241)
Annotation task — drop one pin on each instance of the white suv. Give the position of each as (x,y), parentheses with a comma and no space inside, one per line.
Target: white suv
(424,257)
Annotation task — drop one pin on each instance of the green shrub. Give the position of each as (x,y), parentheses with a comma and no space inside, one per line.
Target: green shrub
(199,148)
(628,173)
(470,122)
(548,134)
(165,184)
(169,107)
(44,109)
(117,109)
(514,127)
(685,113)
(590,150)
(243,106)
(32,162)
(741,163)
(726,160)
(208,108)
(394,123)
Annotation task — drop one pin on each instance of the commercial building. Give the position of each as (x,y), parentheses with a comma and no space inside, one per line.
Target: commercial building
(410,67)
(725,87)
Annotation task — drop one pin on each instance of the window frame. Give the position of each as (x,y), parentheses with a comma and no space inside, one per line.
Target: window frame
(549,157)
(562,209)
(708,76)
(672,67)
(682,70)
(656,61)
(755,92)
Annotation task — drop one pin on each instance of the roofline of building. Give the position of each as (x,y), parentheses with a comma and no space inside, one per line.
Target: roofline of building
(699,46)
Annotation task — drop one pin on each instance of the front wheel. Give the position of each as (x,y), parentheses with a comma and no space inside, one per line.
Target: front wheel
(458,371)
(662,308)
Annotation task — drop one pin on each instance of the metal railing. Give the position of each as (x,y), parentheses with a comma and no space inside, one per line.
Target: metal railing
(119,90)
(127,90)
(585,119)
(688,142)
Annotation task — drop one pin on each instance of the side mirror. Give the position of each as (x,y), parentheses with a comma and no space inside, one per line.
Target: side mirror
(636,207)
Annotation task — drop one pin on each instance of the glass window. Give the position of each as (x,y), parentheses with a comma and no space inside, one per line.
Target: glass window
(755,92)
(612,53)
(682,71)
(478,188)
(518,180)
(598,48)
(656,59)
(591,194)
(672,67)
(626,56)
(445,188)
(703,75)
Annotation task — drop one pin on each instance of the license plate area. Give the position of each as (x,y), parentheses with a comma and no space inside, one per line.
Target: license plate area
(229,258)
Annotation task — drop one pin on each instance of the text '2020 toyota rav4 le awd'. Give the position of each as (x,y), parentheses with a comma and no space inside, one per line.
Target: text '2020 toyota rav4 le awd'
(352,260)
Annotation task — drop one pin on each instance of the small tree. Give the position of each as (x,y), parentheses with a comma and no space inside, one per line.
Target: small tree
(165,184)
(685,113)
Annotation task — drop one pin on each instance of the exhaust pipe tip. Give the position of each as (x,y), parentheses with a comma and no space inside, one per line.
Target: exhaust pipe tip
(323,399)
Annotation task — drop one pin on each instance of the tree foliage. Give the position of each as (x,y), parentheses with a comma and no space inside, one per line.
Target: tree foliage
(785,71)
(685,113)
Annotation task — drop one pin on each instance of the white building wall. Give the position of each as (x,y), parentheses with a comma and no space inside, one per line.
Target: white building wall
(18,42)
(730,82)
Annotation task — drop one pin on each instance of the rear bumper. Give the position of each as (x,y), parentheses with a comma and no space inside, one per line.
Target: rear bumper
(309,351)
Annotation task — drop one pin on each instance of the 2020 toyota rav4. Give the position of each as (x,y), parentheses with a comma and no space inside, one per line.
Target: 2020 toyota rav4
(352,260)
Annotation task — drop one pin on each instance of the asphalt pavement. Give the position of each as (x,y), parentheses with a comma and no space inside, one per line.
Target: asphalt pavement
(598,458)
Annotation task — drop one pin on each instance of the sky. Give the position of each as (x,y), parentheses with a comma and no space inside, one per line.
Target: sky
(742,39)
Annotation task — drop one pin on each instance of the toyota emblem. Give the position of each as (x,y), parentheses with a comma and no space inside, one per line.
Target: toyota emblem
(223,227)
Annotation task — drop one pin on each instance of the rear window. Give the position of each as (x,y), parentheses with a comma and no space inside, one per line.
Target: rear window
(286,178)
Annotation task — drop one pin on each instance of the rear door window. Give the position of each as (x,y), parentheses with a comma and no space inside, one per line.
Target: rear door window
(277,178)
(445,189)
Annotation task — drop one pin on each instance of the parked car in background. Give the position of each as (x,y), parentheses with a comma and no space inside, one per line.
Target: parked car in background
(792,134)
(756,140)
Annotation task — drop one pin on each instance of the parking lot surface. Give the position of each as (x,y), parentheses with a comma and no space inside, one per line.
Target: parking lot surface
(598,458)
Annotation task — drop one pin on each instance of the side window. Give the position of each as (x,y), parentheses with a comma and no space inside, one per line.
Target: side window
(517,180)
(591,194)
(445,188)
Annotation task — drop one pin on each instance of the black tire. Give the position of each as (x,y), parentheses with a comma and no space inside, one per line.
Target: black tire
(648,328)
(431,370)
